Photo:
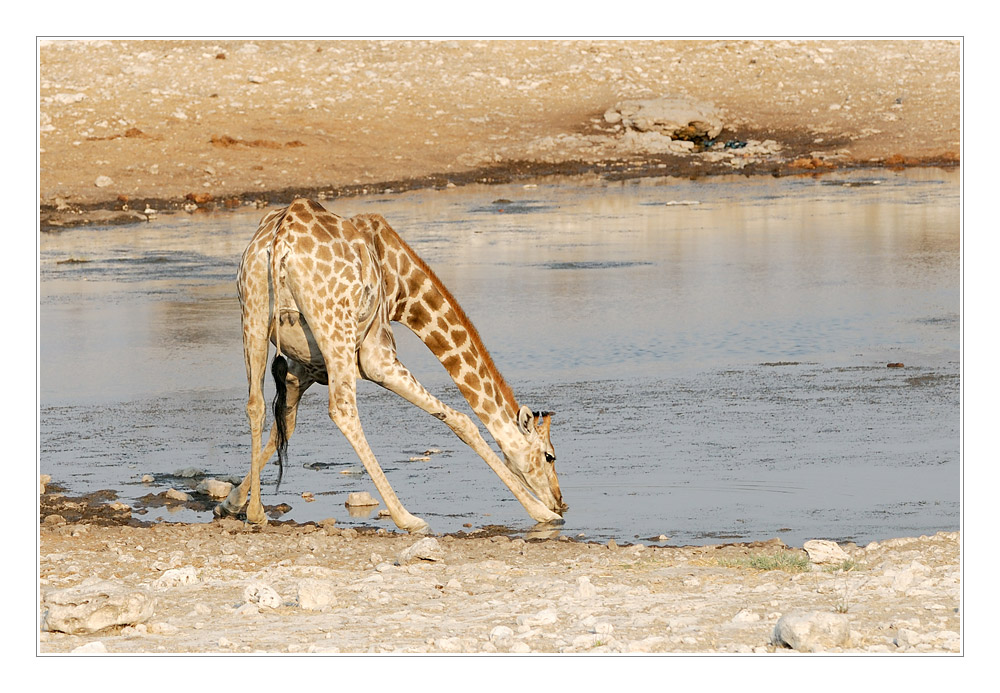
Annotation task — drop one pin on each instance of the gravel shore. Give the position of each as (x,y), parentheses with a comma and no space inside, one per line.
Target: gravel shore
(222,587)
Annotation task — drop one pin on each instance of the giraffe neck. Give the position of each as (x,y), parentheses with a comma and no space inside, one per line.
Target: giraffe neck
(426,306)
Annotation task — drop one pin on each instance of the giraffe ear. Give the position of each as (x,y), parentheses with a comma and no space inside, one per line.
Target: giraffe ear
(524,419)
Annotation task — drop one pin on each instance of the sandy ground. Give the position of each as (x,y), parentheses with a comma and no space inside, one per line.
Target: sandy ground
(159,124)
(127,127)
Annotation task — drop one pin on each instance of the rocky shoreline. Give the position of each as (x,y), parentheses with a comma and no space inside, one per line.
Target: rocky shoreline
(108,587)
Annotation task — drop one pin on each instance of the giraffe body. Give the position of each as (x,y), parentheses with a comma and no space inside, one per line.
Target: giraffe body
(336,285)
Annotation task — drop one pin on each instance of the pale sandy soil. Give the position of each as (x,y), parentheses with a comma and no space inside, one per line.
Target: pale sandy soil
(485,594)
(146,123)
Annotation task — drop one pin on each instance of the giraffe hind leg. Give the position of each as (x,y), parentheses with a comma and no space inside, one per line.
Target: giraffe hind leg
(296,383)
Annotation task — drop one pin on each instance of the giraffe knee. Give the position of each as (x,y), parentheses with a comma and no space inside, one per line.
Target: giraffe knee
(343,406)
(255,409)
(461,424)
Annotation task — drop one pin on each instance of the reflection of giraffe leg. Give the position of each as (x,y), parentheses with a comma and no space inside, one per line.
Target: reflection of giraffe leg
(380,365)
(297,383)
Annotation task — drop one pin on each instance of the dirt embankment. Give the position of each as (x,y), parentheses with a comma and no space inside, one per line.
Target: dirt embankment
(130,126)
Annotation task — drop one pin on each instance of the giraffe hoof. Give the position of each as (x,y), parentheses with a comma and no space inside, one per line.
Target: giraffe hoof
(223,510)
(258,519)
(418,527)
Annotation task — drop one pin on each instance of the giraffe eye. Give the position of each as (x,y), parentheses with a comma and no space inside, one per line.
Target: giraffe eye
(549,457)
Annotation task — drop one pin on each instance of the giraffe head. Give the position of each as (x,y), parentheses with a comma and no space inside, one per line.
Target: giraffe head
(534,462)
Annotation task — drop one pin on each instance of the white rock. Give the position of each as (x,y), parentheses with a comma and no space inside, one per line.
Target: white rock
(646,644)
(262,594)
(43,481)
(813,631)
(745,616)
(93,606)
(669,115)
(96,647)
(520,647)
(450,644)
(906,637)
(316,594)
(176,577)
(426,549)
(66,99)
(360,499)
(103,181)
(148,478)
(542,618)
(214,488)
(823,551)
(188,472)
(500,634)
(162,628)
(902,580)
(177,495)
(247,610)
(584,589)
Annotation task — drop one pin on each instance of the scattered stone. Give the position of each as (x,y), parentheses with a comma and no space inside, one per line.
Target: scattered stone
(822,551)
(542,618)
(91,607)
(813,631)
(54,519)
(163,628)
(176,495)
(501,635)
(96,647)
(261,594)
(189,472)
(103,181)
(906,637)
(148,478)
(175,577)
(308,497)
(315,595)
(247,610)
(584,589)
(745,616)
(360,499)
(65,99)
(43,481)
(426,549)
(214,488)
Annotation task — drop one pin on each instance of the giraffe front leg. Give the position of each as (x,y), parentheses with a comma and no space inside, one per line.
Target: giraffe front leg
(344,413)
(383,367)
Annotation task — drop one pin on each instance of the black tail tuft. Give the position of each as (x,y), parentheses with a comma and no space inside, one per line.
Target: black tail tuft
(279,369)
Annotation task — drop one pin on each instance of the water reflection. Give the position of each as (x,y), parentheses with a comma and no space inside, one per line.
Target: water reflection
(643,324)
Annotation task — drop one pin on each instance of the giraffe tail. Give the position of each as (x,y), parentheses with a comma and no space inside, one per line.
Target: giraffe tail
(279,365)
(279,369)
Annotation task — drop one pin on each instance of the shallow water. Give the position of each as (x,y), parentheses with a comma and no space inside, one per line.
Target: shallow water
(718,370)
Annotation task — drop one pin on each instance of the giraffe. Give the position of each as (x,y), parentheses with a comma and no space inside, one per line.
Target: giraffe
(324,290)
